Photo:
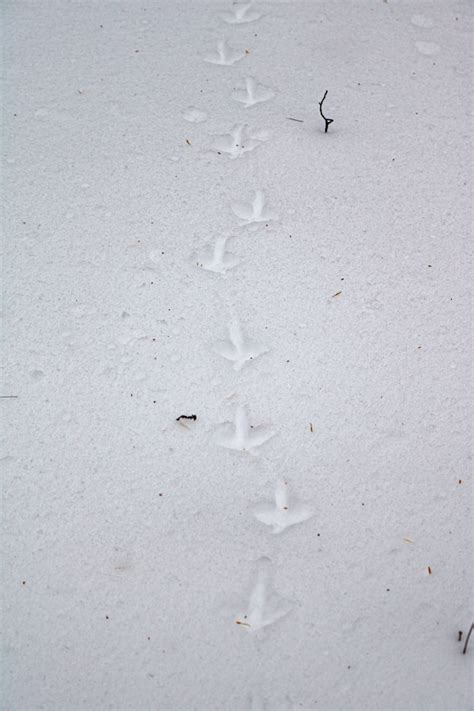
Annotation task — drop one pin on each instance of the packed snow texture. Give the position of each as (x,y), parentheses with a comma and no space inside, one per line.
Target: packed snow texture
(182,238)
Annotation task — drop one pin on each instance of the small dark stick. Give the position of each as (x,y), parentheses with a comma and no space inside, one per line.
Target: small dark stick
(327,120)
(459,635)
(467,638)
(186,417)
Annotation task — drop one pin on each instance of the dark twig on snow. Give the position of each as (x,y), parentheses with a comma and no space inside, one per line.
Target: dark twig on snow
(186,417)
(467,639)
(293,119)
(327,120)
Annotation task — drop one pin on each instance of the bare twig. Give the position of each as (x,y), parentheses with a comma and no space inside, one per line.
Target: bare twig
(293,119)
(467,638)
(327,120)
(8,397)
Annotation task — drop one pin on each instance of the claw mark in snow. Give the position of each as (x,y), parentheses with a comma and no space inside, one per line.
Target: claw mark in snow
(253,93)
(265,605)
(281,515)
(237,349)
(250,213)
(241,14)
(242,436)
(238,141)
(225,55)
(216,259)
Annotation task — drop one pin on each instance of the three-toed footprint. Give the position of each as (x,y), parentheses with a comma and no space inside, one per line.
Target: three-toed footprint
(241,14)
(237,348)
(254,211)
(238,141)
(224,55)
(265,606)
(214,258)
(253,93)
(241,435)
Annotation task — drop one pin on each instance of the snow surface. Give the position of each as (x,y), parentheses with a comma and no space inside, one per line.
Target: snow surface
(131,548)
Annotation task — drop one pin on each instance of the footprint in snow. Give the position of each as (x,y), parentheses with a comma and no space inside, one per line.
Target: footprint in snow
(241,436)
(237,349)
(215,258)
(253,212)
(422,21)
(238,141)
(427,48)
(281,514)
(194,115)
(265,606)
(224,55)
(253,93)
(241,14)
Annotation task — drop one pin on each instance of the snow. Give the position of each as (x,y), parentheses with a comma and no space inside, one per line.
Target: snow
(138,236)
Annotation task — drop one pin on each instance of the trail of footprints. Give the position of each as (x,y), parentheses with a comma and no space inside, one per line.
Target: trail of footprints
(264,605)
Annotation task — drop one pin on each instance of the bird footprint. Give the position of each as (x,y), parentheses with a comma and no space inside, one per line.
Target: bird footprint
(237,349)
(224,55)
(253,93)
(242,436)
(281,515)
(215,258)
(239,141)
(265,606)
(240,14)
(253,212)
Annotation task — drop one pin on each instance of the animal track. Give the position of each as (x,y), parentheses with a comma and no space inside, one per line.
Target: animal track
(281,515)
(225,55)
(239,141)
(253,212)
(427,48)
(216,259)
(265,605)
(422,21)
(194,115)
(253,93)
(241,14)
(236,348)
(242,436)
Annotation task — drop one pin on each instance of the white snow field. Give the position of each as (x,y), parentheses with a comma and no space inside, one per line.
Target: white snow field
(183,238)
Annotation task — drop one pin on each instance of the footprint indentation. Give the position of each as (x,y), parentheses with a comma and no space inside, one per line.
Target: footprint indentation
(237,349)
(253,212)
(224,55)
(265,606)
(281,514)
(422,21)
(253,93)
(241,436)
(194,115)
(241,14)
(427,48)
(215,258)
(239,141)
